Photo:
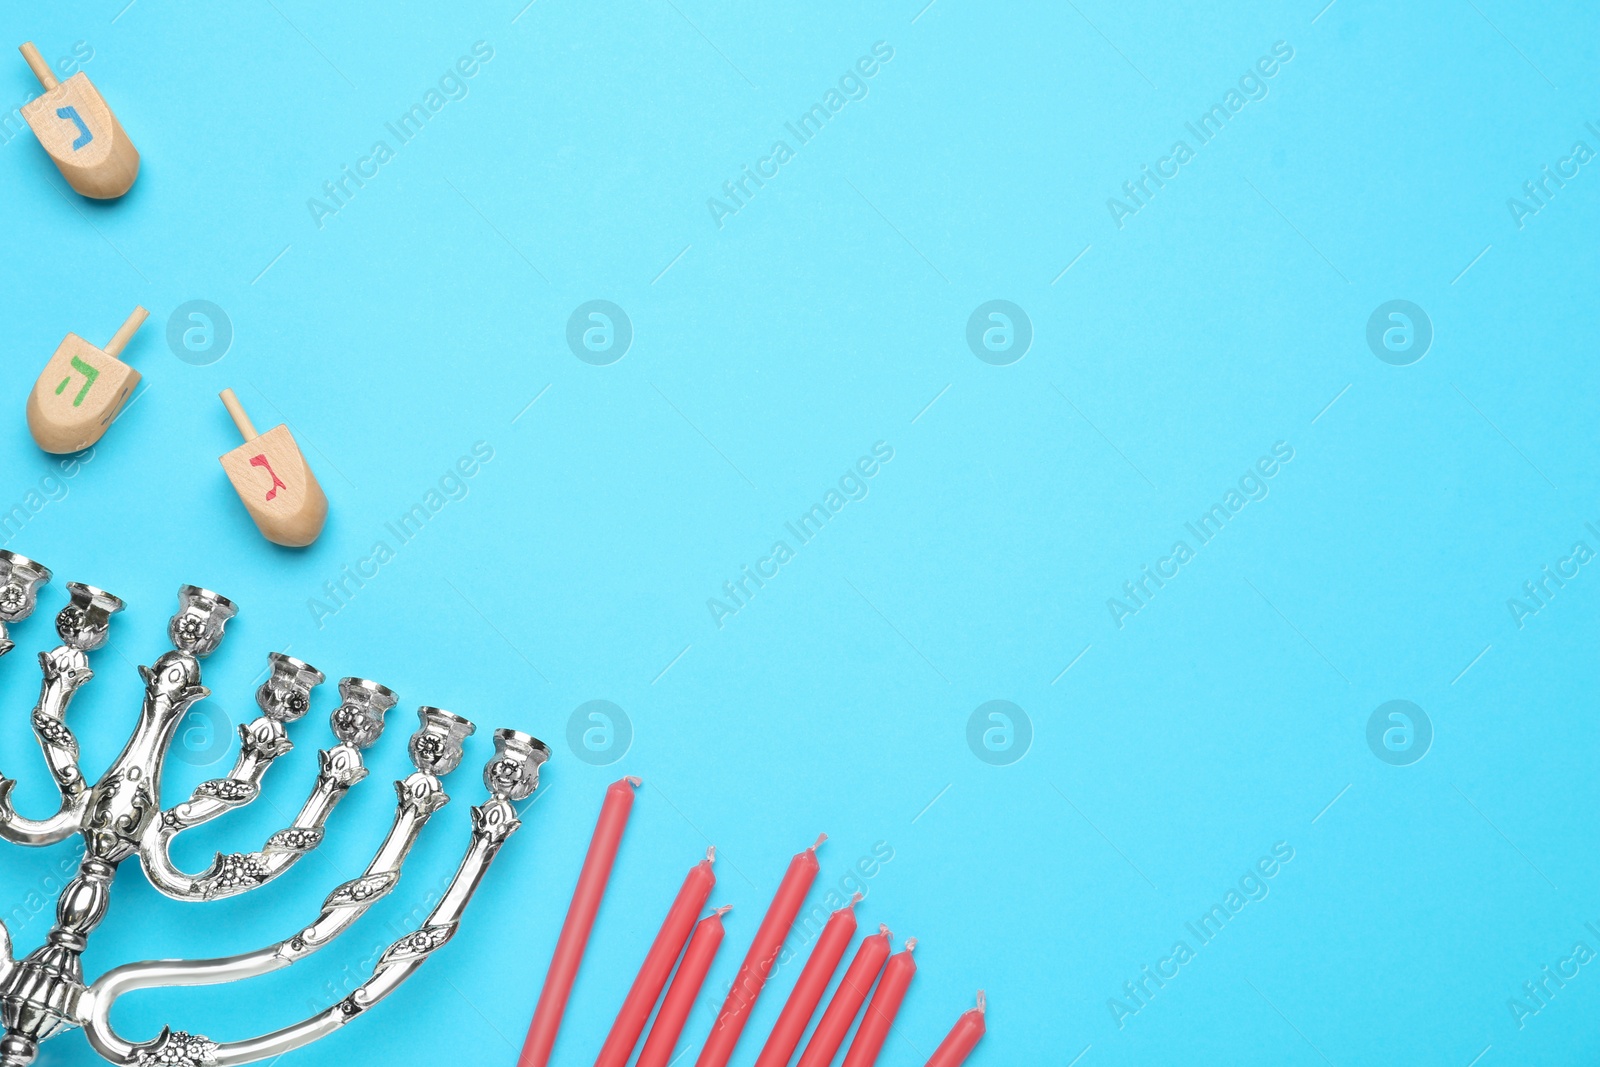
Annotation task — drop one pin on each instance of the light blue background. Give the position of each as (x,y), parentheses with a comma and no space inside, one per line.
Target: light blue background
(768,355)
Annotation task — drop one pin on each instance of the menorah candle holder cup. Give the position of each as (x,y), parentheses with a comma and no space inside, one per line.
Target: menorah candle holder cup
(436,748)
(286,694)
(20,581)
(120,817)
(514,771)
(358,720)
(197,627)
(85,624)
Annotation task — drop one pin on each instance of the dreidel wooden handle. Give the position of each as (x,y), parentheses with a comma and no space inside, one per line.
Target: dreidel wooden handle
(125,332)
(273,481)
(247,429)
(78,394)
(40,68)
(79,132)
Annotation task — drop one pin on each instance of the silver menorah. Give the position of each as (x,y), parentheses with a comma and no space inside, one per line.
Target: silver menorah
(120,815)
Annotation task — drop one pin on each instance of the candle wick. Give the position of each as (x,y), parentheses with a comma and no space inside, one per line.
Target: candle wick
(982,1004)
(634,780)
(820,839)
(883,928)
(911,945)
(729,907)
(858,898)
(711,854)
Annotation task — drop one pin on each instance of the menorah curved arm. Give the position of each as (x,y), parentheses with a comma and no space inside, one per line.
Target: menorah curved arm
(492,823)
(512,775)
(261,741)
(65,669)
(284,697)
(238,872)
(420,795)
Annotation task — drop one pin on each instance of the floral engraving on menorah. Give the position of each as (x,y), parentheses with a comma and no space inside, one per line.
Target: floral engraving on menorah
(120,816)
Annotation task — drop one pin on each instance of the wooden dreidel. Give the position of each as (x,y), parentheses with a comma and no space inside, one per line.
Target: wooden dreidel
(79,132)
(274,481)
(81,390)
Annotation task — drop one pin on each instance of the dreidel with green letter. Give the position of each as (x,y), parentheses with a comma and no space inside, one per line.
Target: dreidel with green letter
(79,132)
(81,390)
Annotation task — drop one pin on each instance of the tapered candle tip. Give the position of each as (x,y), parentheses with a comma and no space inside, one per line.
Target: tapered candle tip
(820,839)
(983,1005)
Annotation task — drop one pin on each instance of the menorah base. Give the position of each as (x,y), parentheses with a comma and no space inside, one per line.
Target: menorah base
(17,1051)
(40,999)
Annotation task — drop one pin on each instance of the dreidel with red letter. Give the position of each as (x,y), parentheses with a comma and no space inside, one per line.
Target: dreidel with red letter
(81,390)
(274,481)
(79,132)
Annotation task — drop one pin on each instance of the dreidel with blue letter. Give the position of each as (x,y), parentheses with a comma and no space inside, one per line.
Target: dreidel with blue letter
(81,390)
(79,132)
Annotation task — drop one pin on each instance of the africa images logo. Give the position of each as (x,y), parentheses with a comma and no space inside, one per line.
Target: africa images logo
(999,332)
(599,332)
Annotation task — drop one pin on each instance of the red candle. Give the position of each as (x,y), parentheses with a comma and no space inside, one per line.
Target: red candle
(886,1001)
(658,964)
(847,1000)
(959,1042)
(809,987)
(580,920)
(683,991)
(758,962)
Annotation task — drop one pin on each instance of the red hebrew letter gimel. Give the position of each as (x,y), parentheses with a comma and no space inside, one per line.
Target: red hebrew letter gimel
(277,483)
